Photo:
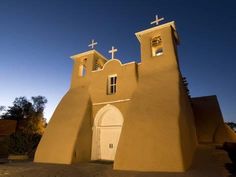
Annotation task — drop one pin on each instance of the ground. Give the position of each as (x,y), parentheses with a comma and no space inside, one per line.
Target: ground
(208,162)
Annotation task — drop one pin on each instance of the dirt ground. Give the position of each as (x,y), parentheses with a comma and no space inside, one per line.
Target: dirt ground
(208,162)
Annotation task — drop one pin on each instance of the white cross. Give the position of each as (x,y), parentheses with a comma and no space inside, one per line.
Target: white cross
(92,44)
(112,51)
(157,20)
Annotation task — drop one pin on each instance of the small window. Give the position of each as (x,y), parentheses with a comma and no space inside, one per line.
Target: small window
(82,68)
(156,46)
(111,87)
(110,146)
(156,41)
(159,52)
(82,71)
(96,64)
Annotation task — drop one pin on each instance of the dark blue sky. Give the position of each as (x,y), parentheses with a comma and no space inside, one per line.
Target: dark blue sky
(38,37)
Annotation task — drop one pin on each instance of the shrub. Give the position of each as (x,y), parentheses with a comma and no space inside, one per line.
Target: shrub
(23,144)
(230,147)
(4,144)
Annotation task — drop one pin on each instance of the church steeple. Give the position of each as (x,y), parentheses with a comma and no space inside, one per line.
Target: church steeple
(84,64)
(158,42)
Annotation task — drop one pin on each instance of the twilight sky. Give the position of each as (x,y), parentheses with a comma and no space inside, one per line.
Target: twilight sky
(38,37)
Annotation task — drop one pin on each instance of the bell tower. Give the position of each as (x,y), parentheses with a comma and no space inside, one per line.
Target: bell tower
(158,45)
(84,64)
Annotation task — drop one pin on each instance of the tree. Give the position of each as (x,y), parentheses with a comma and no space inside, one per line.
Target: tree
(185,83)
(20,110)
(28,114)
(39,103)
(2,108)
(30,124)
(36,123)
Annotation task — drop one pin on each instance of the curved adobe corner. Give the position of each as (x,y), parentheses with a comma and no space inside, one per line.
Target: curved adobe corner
(68,127)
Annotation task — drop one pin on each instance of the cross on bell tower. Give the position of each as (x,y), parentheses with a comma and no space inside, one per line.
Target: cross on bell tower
(157,20)
(93,43)
(112,51)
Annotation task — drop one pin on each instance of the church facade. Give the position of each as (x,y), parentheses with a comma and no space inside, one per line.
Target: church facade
(135,114)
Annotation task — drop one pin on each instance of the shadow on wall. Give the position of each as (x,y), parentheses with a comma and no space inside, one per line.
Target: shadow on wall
(209,121)
(188,137)
(230,148)
(82,149)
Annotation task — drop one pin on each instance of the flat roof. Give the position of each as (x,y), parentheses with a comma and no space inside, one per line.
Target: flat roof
(140,33)
(87,53)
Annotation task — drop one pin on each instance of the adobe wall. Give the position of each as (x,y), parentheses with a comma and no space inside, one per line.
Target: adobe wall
(159,134)
(162,139)
(209,121)
(67,138)
(126,84)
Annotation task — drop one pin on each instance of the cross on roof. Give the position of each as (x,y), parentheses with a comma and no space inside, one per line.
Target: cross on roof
(93,43)
(157,20)
(112,51)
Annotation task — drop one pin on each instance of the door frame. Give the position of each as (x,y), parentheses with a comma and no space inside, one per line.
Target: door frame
(96,150)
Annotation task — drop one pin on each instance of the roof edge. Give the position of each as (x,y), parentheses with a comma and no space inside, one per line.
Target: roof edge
(87,53)
(140,33)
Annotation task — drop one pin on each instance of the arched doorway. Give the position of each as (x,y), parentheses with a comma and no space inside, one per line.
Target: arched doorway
(106,133)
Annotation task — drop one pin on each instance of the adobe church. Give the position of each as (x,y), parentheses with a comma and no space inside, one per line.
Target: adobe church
(135,114)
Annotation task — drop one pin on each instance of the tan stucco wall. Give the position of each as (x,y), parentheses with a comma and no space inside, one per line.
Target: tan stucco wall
(224,134)
(157,135)
(126,84)
(209,121)
(68,137)
(126,81)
